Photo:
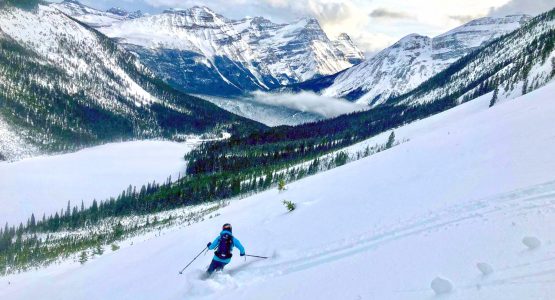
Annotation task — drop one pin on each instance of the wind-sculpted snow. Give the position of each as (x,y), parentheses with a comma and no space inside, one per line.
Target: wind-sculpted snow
(466,187)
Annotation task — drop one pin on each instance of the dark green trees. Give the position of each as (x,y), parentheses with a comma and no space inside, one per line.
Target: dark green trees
(494,97)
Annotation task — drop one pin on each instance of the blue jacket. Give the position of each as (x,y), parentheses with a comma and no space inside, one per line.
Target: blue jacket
(235,243)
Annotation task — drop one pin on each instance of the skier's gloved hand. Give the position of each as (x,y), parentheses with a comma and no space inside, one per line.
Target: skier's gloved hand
(208,245)
(242,254)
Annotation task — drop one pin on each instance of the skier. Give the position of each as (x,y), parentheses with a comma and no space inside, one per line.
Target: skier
(223,244)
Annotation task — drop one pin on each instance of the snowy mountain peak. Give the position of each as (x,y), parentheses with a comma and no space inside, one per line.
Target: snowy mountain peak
(490,24)
(117,11)
(195,12)
(89,15)
(310,23)
(510,19)
(412,41)
(345,45)
(222,56)
(124,13)
(415,58)
(344,37)
(259,22)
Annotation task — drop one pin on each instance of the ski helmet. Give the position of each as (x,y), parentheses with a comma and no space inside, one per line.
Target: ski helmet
(227,227)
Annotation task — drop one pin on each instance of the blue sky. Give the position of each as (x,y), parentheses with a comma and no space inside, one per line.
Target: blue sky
(373,24)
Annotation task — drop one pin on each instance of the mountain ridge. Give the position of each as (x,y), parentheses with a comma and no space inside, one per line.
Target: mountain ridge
(196,49)
(412,60)
(66,86)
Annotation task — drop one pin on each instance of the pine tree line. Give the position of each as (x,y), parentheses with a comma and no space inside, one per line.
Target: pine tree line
(35,243)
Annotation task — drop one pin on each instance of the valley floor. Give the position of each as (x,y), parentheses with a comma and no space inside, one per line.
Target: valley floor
(467,187)
(45,184)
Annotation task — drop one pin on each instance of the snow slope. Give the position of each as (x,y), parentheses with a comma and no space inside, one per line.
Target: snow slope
(87,14)
(13,145)
(470,184)
(44,184)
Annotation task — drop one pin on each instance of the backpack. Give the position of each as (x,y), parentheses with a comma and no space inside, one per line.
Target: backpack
(225,246)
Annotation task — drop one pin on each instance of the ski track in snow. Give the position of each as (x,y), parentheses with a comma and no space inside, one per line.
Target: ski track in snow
(466,187)
(507,206)
(504,207)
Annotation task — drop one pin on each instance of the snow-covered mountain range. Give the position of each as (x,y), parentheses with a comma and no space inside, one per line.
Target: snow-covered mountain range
(201,51)
(414,59)
(64,85)
(512,65)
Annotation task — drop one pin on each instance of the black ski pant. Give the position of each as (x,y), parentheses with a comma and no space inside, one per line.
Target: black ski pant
(215,266)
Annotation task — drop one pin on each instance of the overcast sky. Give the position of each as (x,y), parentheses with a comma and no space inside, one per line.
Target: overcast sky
(373,24)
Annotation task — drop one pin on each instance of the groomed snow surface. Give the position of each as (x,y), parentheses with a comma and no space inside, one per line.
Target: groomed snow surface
(45,184)
(467,188)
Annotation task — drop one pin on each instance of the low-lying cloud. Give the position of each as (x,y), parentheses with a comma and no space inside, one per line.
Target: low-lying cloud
(463,19)
(531,7)
(309,102)
(382,13)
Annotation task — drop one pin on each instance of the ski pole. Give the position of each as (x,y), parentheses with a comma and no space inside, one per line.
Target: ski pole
(181,272)
(264,257)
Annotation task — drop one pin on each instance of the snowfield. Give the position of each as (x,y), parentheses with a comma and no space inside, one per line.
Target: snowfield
(461,207)
(44,184)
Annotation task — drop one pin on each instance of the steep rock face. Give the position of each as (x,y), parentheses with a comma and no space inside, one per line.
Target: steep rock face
(122,12)
(414,59)
(200,51)
(346,46)
(63,86)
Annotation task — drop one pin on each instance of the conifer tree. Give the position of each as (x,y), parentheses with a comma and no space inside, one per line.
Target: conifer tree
(68,209)
(33,222)
(494,97)
(390,140)
(83,257)
(98,250)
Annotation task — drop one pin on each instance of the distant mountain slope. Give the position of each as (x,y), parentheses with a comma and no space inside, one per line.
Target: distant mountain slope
(513,65)
(94,17)
(414,59)
(63,86)
(200,51)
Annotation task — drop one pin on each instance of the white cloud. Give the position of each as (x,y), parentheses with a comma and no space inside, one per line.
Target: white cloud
(309,102)
(382,13)
(531,7)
